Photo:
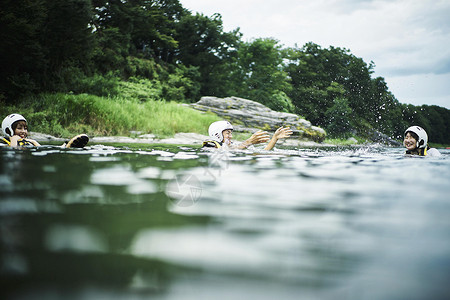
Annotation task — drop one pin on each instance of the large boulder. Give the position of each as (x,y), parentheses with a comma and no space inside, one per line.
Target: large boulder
(247,116)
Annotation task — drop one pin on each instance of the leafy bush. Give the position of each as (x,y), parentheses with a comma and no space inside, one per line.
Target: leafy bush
(99,85)
(141,89)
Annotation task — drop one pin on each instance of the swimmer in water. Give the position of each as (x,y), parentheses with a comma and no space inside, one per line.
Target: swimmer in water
(15,129)
(416,142)
(221,134)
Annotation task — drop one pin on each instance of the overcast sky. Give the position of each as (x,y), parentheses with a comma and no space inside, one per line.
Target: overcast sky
(408,40)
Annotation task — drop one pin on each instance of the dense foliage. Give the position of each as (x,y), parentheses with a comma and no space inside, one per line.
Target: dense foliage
(93,46)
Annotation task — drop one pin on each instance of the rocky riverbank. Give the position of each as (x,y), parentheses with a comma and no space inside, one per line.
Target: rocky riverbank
(247,116)
(250,116)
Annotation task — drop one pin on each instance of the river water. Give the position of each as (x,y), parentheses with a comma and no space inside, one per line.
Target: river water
(174,222)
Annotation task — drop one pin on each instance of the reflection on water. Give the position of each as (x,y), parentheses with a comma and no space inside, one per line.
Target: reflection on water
(171,222)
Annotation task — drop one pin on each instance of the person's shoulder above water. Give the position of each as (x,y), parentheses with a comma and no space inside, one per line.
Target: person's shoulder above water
(211,144)
(6,141)
(433,152)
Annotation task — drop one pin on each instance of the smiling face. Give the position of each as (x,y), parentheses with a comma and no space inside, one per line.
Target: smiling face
(410,142)
(227,136)
(21,129)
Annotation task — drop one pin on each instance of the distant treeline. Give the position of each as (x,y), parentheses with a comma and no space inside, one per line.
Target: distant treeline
(89,46)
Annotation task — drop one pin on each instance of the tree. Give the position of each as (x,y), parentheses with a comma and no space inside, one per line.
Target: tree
(339,117)
(133,28)
(22,55)
(67,37)
(42,40)
(438,122)
(203,44)
(318,77)
(265,81)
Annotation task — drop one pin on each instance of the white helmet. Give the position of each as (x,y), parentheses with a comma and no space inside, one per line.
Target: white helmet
(9,121)
(422,139)
(216,128)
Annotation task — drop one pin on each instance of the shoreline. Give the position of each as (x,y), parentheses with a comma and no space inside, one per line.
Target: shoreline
(182,138)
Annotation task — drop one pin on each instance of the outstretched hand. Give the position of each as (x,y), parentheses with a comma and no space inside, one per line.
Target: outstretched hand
(258,137)
(280,133)
(263,137)
(283,132)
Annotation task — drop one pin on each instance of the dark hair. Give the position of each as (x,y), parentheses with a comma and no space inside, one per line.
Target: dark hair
(14,125)
(413,134)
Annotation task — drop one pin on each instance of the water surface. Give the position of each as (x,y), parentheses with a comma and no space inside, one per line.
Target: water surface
(176,222)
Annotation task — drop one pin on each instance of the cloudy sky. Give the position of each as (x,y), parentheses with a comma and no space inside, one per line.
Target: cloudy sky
(408,40)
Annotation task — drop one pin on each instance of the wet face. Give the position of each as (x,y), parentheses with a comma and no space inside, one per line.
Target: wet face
(409,142)
(21,129)
(227,136)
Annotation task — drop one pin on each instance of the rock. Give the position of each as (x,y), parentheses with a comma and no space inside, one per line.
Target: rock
(121,139)
(184,138)
(42,137)
(249,116)
(147,136)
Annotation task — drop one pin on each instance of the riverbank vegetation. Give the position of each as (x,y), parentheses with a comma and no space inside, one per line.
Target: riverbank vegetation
(110,67)
(66,114)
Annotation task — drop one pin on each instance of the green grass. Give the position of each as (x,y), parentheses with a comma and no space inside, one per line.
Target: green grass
(65,115)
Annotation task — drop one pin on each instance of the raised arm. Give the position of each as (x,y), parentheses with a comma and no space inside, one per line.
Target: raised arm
(257,138)
(280,133)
